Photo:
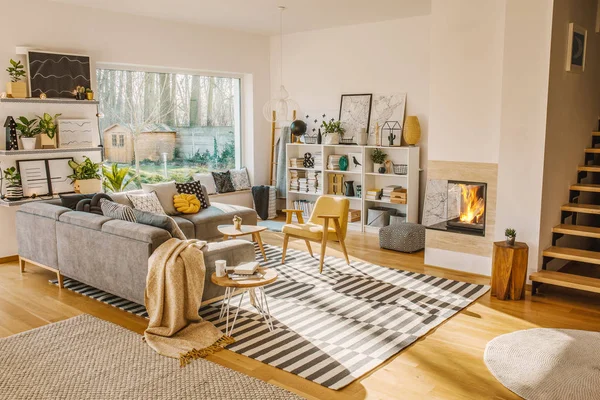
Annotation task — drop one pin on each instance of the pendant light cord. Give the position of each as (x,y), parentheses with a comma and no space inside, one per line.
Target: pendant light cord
(282,9)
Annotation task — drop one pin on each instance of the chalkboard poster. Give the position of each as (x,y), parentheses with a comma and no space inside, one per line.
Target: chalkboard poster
(57,75)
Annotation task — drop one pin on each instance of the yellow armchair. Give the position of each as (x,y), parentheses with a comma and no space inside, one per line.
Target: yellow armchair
(329,215)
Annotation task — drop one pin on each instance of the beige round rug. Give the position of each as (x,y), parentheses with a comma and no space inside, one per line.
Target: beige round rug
(547,364)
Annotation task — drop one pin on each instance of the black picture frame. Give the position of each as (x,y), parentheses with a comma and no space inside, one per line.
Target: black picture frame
(369,95)
(57,74)
(47,178)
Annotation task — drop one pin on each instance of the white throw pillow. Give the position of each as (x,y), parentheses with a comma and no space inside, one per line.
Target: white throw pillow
(207,181)
(146,202)
(165,192)
(240,179)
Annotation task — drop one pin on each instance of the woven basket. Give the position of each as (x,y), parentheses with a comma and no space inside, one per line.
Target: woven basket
(400,169)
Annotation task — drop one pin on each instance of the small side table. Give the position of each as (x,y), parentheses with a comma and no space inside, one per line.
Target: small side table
(509,270)
(256,289)
(229,232)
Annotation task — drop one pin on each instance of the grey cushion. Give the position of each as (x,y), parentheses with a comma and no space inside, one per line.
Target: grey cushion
(223,182)
(44,210)
(240,179)
(406,237)
(140,232)
(165,192)
(84,220)
(159,221)
(122,198)
(206,221)
(147,202)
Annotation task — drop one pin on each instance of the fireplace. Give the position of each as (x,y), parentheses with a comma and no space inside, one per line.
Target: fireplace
(466,207)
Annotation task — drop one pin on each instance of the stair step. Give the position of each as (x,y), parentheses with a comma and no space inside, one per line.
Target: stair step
(577,230)
(588,168)
(567,253)
(586,187)
(594,150)
(567,280)
(581,208)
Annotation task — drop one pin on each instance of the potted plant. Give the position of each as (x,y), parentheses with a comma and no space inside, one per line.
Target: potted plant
(116,179)
(89,94)
(14,190)
(79,93)
(511,235)
(332,131)
(29,131)
(16,88)
(378,157)
(85,176)
(237,222)
(48,128)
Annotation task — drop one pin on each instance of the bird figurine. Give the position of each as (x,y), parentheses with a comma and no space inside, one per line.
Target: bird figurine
(355,161)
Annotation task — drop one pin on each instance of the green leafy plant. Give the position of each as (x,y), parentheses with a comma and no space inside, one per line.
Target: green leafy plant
(378,156)
(28,127)
(509,232)
(89,90)
(80,89)
(85,170)
(12,176)
(47,124)
(116,179)
(16,71)
(332,126)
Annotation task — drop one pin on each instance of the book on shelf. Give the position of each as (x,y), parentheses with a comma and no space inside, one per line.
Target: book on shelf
(248,268)
(333,162)
(245,277)
(296,162)
(373,194)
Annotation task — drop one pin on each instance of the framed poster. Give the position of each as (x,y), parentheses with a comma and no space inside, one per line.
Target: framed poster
(58,172)
(75,133)
(576,48)
(386,107)
(355,162)
(355,113)
(57,74)
(34,177)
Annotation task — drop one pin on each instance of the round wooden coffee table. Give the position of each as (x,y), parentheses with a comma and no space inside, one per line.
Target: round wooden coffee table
(256,291)
(229,232)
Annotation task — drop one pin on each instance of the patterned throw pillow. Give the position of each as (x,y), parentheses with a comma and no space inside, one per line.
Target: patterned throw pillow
(223,182)
(240,179)
(193,188)
(117,211)
(146,202)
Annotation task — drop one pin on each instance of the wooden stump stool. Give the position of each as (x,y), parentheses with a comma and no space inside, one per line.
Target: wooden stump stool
(509,270)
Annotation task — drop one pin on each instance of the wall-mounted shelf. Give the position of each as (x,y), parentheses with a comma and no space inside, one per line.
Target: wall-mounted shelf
(50,101)
(17,203)
(18,153)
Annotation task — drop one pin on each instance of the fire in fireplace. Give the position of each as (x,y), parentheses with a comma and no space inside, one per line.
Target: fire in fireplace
(466,206)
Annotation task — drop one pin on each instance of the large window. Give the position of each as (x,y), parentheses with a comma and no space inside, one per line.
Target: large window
(169,126)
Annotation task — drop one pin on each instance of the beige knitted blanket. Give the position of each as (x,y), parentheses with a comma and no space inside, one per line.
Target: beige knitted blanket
(174,289)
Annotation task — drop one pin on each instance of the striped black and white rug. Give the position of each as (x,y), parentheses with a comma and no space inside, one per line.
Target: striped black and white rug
(331,328)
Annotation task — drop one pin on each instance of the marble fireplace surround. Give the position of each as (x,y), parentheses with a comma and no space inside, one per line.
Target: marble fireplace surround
(453,250)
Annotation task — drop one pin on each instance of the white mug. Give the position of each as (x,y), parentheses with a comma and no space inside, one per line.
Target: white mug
(220,268)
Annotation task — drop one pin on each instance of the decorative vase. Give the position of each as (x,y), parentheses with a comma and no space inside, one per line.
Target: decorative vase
(363,137)
(381,169)
(412,130)
(48,143)
(28,143)
(343,163)
(319,137)
(349,188)
(377,166)
(89,95)
(80,96)
(510,240)
(88,186)
(17,90)
(332,138)
(14,192)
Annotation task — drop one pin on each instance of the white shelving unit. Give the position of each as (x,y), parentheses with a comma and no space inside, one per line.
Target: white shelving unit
(367,178)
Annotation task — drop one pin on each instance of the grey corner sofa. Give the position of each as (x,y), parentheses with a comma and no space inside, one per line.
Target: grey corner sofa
(112,255)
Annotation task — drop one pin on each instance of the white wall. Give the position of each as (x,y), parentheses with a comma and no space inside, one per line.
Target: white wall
(120,38)
(384,57)
(573,107)
(467,45)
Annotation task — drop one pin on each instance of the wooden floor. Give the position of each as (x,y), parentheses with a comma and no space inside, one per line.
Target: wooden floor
(446,364)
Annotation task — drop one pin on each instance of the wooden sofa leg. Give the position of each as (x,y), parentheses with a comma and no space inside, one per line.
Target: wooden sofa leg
(22,264)
(286,239)
(60,280)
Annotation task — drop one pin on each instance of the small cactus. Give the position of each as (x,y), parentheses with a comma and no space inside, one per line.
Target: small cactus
(391,138)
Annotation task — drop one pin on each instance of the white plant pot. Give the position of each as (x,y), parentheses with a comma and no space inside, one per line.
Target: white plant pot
(88,186)
(28,143)
(331,138)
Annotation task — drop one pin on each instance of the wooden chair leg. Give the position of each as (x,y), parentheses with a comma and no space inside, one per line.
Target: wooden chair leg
(338,229)
(286,239)
(22,264)
(309,248)
(324,243)
(60,280)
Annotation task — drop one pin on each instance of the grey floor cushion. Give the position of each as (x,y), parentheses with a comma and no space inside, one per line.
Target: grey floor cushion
(406,237)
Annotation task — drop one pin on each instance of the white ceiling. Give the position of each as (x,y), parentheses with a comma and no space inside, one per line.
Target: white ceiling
(261,16)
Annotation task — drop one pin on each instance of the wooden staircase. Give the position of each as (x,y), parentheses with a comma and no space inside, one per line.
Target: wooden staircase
(572,210)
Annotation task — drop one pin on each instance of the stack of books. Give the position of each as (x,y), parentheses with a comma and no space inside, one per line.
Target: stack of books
(314,182)
(318,159)
(296,162)
(246,271)
(373,194)
(387,191)
(333,162)
(303,184)
(306,207)
(295,177)
(398,196)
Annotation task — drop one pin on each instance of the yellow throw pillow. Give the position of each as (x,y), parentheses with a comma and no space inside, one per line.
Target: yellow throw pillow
(186,203)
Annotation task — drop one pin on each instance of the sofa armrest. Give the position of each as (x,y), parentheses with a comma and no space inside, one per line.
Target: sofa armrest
(45,210)
(131,230)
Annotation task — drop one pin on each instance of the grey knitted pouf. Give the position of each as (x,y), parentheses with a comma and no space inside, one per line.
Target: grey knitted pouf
(406,237)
